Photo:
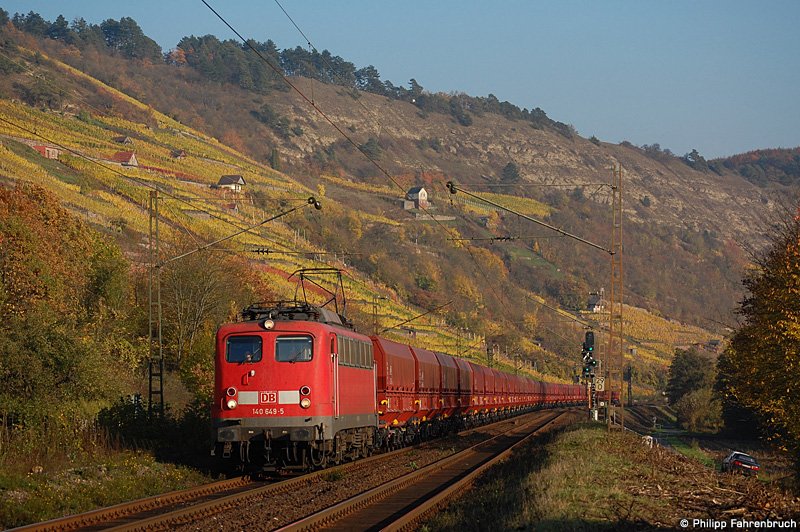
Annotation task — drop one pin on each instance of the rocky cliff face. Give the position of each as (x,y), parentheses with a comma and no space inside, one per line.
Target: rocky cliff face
(662,190)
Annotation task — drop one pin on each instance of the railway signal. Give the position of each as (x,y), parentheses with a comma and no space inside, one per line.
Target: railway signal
(588,342)
(587,352)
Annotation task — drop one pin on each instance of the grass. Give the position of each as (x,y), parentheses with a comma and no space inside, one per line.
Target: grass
(555,486)
(586,478)
(33,497)
(333,476)
(582,479)
(690,450)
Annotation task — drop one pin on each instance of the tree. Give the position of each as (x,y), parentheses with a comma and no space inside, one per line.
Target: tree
(699,409)
(691,376)
(690,371)
(176,57)
(275,159)
(368,79)
(510,173)
(458,111)
(63,295)
(59,30)
(198,293)
(32,23)
(371,148)
(696,161)
(759,368)
(128,38)
(415,89)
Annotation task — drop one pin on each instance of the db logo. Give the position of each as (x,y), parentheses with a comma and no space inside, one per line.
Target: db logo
(268,398)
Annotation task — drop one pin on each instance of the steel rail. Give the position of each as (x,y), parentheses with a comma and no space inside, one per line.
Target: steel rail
(99,516)
(139,514)
(123,516)
(128,510)
(364,511)
(201,510)
(413,519)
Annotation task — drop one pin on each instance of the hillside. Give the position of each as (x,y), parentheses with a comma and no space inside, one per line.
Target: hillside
(698,219)
(502,286)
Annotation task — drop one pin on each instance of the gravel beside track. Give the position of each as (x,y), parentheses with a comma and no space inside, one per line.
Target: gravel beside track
(319,492)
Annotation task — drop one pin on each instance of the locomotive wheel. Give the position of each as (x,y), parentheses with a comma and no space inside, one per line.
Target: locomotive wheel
(319,459)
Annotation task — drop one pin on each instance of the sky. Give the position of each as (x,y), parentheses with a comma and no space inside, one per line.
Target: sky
(719,76)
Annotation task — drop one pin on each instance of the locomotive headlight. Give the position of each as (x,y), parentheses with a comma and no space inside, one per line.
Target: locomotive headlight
(305,402)
(268,324)
(231,404)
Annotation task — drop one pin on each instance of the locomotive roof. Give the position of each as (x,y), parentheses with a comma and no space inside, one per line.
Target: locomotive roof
(294,311)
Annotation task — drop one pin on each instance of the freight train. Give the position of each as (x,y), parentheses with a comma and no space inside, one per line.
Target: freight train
(296,387)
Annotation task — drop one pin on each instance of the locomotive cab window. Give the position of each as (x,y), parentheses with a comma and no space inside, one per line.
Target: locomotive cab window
(294,348)
(243,349)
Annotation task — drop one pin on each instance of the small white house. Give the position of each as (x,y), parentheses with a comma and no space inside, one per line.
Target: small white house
(416,196)
(232,182)
(596,302)
(125,158)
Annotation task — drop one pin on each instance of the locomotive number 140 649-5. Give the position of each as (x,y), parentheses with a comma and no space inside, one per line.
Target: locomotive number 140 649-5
(260,411)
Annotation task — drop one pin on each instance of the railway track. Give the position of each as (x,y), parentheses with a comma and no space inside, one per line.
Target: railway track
(402,504)
(119,514)
(177,508)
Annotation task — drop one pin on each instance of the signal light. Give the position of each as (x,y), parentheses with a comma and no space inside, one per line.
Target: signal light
(588,341)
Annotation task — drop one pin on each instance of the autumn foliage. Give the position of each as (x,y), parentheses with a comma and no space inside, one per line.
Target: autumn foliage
(760,368)
(62,296)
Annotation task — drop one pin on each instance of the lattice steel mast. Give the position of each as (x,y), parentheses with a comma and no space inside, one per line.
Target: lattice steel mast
(155,401)
(615,356)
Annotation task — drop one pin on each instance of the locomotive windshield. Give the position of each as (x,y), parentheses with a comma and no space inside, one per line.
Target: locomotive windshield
(293,348)
(241,349)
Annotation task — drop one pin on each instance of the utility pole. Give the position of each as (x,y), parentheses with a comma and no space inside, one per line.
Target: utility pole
(155,398)
(155,403)
(615,339)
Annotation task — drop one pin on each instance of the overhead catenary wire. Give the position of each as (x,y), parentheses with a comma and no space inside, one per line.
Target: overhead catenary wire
(373,115)
(504,238)
(141,182)
(452,187)
(126,176)
(380,127)
(348,138)
(531,185)
(184,200)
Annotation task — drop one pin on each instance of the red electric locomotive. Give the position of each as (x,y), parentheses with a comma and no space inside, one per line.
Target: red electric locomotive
(295,387)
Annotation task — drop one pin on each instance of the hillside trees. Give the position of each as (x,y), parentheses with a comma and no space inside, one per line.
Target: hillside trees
(126,37)
(691,376)
(759,368)
(123,36)
(696,161)
(232,62)
(63,302)
(199,292)
(510,173)
(764,166)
